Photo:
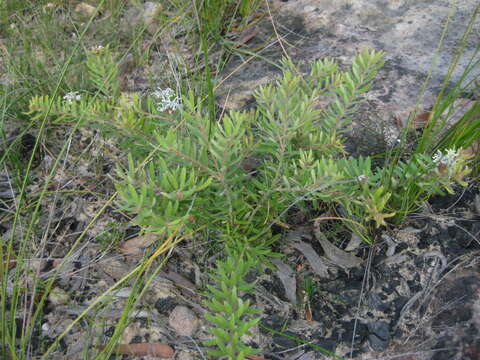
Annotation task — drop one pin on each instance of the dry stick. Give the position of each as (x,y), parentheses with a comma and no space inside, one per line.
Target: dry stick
(397,356)
(245,63)
(365,280)
(143,349)
(426,292)
(275,29)
(43,243)
(198,348)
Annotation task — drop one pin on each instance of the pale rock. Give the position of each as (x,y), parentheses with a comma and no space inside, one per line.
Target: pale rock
(162,288)
(85,10)
(58,297)
(36,265)
(183,321)
(146,15)
(130,332)
(49,7)
(183,355)
(151,11)
(76,347)
(115,268)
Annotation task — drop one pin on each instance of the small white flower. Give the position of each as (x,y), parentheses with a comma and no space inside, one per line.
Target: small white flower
(168,100)
(71,97)
(49,6)
(391,136)
(96,49)
(362,178)
(449,158)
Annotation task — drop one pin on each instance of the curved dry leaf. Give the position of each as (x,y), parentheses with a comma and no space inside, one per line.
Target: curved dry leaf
(287,277)
(178,279)
(317,264)
(392,245)
(255,357)
(422,120)
(143,349)
(334,254)
(354,242)
(136,245)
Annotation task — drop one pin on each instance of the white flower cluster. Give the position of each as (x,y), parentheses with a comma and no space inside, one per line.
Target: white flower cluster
(449,158)
(168,100)
(97,49)
(71,97)
(362,178)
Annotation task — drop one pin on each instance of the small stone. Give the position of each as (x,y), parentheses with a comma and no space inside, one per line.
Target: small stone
(58,297)
(380,328)
(151,12)
(183,321)
(36,265)
(85,10)
(115,268)
(183,355)
(49,6)
(147,15)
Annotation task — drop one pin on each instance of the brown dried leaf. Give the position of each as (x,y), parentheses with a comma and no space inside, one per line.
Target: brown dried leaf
(144,349)
(354,242)
(136,245)
(255,357)
(422,120)
(287,277)
(473,150)
(334,254)
(318,265)
(178,279)
(308,313)
(244,38)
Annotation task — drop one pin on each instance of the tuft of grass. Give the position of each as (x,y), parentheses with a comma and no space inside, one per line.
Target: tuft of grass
(445,131)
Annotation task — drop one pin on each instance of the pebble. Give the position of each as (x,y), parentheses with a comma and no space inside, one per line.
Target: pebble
(183,321)
(58,297)
(183,355)
(146,15)
(115,268)
(85,10)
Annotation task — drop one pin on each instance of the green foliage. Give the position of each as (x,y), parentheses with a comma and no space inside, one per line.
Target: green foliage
(128,117)
(217,16)
(466,128)
(103,71)
(413,181)
(161,196)
(233,316)
(240,175)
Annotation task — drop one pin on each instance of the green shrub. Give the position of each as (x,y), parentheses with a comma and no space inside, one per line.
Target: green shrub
(240,175)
